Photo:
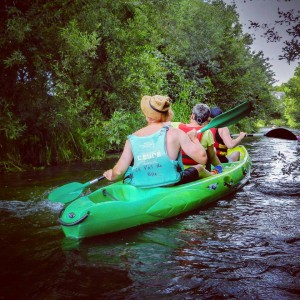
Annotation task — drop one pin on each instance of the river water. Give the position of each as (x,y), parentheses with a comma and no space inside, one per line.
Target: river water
(246,246)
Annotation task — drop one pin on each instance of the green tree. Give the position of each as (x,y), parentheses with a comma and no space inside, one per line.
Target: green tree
(44,60)
(71,71)
(216,55)
(291,100)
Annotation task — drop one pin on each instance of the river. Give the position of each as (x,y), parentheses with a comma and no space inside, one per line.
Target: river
(245,246)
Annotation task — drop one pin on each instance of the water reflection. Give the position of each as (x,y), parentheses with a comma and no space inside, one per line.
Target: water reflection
(245,246)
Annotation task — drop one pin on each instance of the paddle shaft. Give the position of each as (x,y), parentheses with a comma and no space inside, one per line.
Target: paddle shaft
(280,133)
(95,180)
(248,134)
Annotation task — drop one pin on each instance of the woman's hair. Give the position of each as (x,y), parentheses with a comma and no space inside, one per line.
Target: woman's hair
(168,116)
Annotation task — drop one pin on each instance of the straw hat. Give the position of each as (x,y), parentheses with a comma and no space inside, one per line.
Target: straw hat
(156,106)
(201,112)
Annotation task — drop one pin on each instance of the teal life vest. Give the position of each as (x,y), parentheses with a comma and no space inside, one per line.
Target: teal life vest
(152,166)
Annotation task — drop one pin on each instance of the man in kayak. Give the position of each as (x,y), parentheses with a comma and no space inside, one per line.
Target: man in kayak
(223,140)
(198,119)
(152,155)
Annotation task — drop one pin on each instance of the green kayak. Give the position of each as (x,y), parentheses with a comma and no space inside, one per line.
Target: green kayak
(120,206)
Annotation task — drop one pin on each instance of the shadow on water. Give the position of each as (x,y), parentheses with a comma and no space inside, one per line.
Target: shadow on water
(245,246)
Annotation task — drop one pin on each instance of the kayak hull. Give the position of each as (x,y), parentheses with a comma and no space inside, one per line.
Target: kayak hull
(121,206)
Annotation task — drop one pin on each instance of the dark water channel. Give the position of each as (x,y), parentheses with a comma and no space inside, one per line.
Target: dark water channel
(246,246)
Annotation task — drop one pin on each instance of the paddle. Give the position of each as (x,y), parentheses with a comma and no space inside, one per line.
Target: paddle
(280,133)
(229,117)
(70,191)
(248,134)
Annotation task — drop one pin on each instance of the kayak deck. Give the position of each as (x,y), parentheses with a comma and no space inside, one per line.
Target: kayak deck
(120,206)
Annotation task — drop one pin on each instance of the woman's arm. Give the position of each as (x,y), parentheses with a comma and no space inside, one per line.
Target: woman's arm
(229,142)
(122,165)
(191,146)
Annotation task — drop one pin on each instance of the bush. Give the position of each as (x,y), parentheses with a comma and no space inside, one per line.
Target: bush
(121,124)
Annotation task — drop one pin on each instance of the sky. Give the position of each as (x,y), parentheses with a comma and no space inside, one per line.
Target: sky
(265,11)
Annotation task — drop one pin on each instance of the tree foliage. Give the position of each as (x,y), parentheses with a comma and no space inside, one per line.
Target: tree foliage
(291,100)
(290,19)
(73,72)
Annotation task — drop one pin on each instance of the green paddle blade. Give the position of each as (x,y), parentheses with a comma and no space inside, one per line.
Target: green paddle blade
(229,117)
(70,191)
(66,193)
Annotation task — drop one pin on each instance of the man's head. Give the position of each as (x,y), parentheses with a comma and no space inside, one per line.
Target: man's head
(201,113)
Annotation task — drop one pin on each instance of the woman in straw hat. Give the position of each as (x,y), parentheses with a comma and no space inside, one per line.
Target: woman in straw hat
(152,155)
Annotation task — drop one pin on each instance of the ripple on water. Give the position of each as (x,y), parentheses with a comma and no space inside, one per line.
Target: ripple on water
(245,246)
(279,188)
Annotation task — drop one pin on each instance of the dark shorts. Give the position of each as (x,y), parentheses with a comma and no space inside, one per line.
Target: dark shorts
(223,159)
(190,174)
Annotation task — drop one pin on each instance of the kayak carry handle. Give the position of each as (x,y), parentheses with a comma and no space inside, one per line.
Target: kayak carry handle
(63,223)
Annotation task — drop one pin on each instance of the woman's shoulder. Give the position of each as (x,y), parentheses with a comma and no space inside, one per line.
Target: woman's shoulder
(139,132)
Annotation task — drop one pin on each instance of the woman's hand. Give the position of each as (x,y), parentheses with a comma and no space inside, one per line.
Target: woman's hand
(242,134)
(108,174)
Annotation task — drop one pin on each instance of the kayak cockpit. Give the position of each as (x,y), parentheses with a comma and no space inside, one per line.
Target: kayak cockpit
(120,192)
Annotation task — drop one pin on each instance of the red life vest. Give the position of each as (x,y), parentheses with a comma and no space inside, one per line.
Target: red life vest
(185,158)
(221,149)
